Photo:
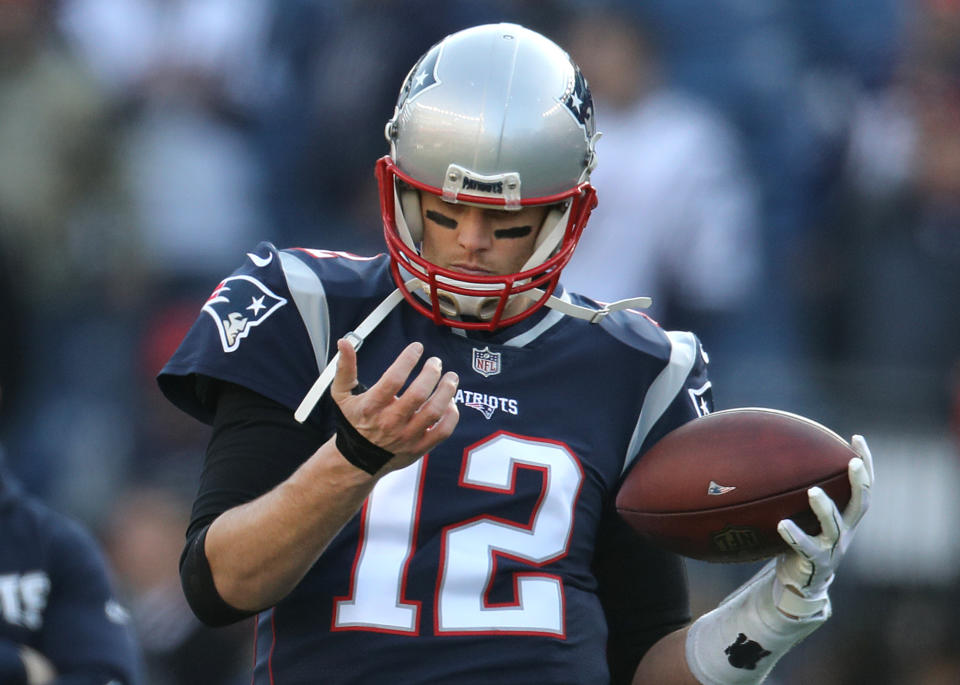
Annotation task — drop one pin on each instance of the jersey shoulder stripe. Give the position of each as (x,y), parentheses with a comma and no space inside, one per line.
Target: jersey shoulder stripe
(666,389)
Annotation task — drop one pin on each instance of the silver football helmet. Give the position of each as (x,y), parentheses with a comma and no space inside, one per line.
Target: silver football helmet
(495,115)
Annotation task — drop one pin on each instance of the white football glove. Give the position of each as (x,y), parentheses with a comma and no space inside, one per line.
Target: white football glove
(805,574)
(740,641)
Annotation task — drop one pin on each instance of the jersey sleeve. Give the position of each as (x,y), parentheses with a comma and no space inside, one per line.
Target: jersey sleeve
(86,631)
(643,590)
(681,392)
(251,332)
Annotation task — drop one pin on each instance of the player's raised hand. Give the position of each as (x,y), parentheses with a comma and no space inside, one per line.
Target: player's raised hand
(406,425)
(810,567)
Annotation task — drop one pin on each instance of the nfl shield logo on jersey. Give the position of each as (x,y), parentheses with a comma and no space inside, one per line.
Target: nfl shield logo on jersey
(239,304)
(485,362)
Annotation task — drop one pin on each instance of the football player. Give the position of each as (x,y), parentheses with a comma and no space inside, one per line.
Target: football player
(60,621)
(414,456)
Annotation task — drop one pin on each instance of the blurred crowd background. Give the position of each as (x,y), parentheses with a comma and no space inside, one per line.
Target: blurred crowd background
(782,176)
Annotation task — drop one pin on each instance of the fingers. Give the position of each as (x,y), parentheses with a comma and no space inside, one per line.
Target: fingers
(812,567)
(827,514)
(790,532)
(346,376)
(439,404)
(439,416)
(407,422)
(427,408)
(860,472)
(443,428)
(860,484)
(424,401)
(421,388)
(800,542)
(830,524)
(859,444)
(384,391)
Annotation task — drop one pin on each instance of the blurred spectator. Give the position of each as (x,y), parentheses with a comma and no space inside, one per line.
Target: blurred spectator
(331,75)
(898,228)
(71,258)
(184,72)
(59,619)
(144,536)
(163,126)
(955,403)
(13,341)
(56,170)
(678,214)
(330,70)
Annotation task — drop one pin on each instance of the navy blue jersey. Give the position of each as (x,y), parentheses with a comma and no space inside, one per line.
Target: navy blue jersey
(56,596)
(473,564)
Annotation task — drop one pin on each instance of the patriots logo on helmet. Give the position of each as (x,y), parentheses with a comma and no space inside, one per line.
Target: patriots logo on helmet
(580,102)
(239,304)
(421,77)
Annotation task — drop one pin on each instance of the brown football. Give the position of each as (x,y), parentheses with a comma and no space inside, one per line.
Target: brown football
(716,487)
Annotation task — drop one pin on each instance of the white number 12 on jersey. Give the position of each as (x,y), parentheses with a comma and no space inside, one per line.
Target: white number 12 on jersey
(468,550)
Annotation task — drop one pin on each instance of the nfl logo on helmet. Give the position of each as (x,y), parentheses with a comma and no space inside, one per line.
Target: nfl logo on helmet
(485,362)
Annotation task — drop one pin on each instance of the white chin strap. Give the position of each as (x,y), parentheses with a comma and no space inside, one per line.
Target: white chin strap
(415,285)
(588,313)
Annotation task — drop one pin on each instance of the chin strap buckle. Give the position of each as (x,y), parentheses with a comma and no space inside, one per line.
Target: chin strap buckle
(589,313)
(354,339)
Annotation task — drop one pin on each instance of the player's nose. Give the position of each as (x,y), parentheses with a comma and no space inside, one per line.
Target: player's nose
(473,233)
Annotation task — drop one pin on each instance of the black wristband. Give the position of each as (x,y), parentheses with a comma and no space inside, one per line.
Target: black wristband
(354,447)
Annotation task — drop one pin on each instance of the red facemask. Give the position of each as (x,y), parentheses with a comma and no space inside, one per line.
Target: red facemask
(495,291)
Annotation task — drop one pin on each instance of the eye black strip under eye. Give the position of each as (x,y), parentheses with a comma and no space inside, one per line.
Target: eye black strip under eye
(513,232)
(441,219)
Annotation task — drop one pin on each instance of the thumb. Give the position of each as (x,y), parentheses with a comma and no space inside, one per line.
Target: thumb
(346,376)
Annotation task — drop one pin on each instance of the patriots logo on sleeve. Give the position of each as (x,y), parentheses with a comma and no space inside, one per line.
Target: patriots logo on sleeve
(239,304)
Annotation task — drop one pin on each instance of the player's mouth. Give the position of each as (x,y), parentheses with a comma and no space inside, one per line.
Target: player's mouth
(471,269)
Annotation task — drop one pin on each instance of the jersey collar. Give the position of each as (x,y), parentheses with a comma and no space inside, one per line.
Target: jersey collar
(521,333)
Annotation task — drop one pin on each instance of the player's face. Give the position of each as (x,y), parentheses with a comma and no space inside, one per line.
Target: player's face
(478,240)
